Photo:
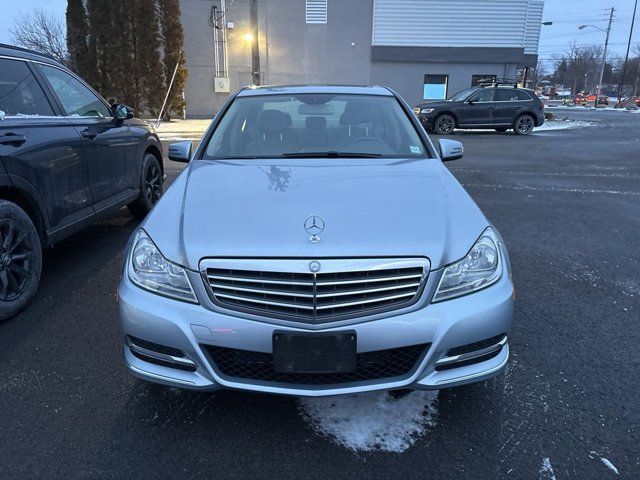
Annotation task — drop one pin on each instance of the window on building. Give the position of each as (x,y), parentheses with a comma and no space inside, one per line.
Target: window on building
(477,80)
(316,11)
(20,93)
(435,87)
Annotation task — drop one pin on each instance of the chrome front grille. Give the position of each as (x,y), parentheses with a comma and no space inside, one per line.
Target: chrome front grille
(340,289)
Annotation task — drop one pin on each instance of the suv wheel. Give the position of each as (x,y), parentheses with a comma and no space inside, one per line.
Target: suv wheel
(20,259)
(150,187)
(524,124)
(444,124)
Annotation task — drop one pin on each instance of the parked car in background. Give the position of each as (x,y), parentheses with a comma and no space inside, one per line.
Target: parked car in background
(316,245)
(585,99)
(67,158)
(497,107)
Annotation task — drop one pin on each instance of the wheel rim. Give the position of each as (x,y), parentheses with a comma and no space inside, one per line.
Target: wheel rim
(525,124)
(16,260)
(445,124)
(153,183)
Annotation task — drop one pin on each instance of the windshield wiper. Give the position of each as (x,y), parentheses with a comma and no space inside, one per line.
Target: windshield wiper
(330,154)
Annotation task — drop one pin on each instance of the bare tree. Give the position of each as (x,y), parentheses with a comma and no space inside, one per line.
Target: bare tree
(43,32)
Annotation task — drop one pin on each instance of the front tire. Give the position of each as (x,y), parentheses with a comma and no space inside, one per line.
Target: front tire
(151,187)
(20,259)
(444,124)
(524,124)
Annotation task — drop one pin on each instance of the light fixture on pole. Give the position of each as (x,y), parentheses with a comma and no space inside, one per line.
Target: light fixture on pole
(604,53)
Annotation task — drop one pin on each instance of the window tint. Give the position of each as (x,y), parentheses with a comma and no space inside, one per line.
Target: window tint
(76,99)
(276,125)
(20,93)
(484,95)
(510,95)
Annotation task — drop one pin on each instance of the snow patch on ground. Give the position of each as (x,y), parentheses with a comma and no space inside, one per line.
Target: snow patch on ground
(610,465)
(607,463)
(561,125)
(546,470)
(373,420)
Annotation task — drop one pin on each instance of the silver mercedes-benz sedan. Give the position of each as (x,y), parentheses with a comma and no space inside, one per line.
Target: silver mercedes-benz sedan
(316,245)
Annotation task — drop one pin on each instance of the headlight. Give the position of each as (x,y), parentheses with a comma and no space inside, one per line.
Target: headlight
(480,268)
(150,270)
(427,110)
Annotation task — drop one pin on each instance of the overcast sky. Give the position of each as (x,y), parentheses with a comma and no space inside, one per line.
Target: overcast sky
(566,15)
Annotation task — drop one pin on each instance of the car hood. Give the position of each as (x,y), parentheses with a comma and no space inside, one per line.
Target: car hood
(370,207)
(434,104)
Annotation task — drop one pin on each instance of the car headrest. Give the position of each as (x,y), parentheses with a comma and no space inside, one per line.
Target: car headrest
(272,121)
(316,123)
(356,112)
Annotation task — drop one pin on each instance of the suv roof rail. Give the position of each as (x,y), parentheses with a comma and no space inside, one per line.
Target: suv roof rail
(28,50)
(498,82)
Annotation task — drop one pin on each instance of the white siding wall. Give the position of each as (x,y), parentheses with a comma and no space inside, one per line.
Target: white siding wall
(532,29)
(457,23)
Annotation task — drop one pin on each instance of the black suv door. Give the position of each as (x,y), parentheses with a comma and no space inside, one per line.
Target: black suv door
(40,150)
(477,109)
(111,147)
(509,103)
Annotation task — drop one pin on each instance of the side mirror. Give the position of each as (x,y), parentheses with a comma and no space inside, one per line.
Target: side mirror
(450,149)
(180,152)
(470,102)
(121,112)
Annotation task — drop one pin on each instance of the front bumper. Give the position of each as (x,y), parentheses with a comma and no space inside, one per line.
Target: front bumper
(446,325)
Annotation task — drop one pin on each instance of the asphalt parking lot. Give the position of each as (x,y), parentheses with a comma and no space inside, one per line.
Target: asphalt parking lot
(568,205)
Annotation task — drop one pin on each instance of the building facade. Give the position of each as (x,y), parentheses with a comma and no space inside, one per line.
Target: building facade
(423,49)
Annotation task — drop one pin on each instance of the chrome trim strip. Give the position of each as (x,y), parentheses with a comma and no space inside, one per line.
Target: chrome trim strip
(265,302)
(342,293)
(364,302)
(369,280)
(266,292)
(476,374)
(471,355)
(260,280)
(159,356)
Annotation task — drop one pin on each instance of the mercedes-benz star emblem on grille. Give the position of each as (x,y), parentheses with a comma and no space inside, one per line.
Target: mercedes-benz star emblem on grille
(314,266)
(314,225)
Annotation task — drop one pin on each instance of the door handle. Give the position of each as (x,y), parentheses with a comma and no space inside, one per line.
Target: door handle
(12,139)
(88,133)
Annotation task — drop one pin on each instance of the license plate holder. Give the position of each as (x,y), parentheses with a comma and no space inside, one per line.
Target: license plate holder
(321,352)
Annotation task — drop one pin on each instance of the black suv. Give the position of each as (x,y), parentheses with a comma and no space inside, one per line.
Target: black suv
(67,157)
(496,107)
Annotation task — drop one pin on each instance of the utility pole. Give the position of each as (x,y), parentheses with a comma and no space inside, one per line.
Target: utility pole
(255,45)
(604,58)
(626,58)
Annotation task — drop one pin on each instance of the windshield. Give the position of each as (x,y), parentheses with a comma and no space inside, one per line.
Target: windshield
(458,97)
(315,125)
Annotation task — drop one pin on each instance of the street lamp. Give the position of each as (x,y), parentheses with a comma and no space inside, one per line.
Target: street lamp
(604,53)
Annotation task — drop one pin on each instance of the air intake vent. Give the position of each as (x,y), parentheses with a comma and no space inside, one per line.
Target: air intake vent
(382,364)
(342,289)
(316,11)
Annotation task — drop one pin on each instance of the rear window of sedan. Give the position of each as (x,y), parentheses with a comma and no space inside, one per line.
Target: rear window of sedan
(294,125)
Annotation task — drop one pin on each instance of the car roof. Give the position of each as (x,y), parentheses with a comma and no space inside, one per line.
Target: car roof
(332,89)
(25,53)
